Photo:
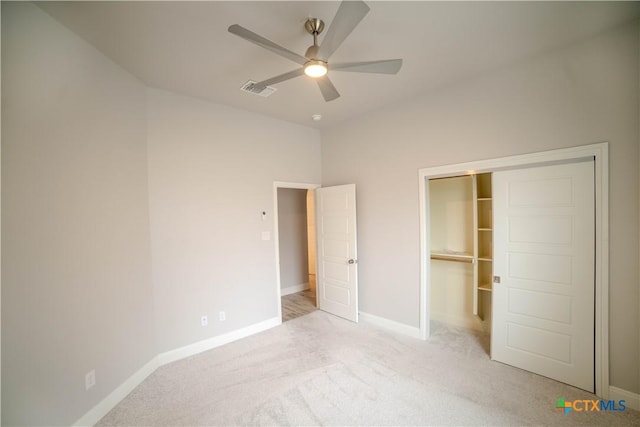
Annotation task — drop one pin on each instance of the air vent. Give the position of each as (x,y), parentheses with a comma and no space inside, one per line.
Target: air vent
(264,92)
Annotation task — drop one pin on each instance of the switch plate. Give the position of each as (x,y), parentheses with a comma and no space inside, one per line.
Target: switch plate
(204,321)
(90,379)
(266,235)
(223,316)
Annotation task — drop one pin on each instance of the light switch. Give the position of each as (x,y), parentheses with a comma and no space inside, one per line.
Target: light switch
(266,235)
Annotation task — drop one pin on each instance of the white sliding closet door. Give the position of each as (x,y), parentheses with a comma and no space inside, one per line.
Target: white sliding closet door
(544,255)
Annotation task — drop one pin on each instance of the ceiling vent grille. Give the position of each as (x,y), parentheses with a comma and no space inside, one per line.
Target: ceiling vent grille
(264,92)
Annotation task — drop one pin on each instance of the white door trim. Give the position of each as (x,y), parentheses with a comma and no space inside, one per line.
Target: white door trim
(276,234)
(600,153)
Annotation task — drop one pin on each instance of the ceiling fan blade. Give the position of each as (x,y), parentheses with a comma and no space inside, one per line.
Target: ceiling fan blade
(267,44)
(329,91)
(388,66)
(349,15)
(277,79)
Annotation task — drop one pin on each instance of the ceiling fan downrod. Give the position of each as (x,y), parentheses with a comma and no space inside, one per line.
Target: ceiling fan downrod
(314,26)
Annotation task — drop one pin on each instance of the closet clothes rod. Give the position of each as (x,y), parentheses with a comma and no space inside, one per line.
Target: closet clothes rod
(452,258)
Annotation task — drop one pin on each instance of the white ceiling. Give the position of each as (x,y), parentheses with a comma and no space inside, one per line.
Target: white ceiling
(185,47)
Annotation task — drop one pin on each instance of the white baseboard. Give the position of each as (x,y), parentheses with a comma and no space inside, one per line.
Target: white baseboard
(108,403)
(632,400)
(295,288)
(208,344)
(400,328)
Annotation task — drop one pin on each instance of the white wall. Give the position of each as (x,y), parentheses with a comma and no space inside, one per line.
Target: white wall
(582,94)
(292,233)
(451,213)
(76,279)
(77,250)
(211,174)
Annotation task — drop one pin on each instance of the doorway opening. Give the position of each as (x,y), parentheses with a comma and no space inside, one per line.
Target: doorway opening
(295,249)
(598,153)
(461,254)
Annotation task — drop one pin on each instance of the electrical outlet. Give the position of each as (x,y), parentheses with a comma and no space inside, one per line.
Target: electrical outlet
(90,379)
(223,316)
(204,321)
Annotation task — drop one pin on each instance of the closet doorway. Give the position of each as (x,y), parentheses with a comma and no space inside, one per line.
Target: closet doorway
(461,251)
(597,156)
(295,249)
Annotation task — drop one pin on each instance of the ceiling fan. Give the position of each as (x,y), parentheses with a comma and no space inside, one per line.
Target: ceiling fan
(315,62)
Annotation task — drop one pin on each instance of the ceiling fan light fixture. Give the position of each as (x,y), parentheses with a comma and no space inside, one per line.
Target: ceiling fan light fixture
(314,63)
(315,68)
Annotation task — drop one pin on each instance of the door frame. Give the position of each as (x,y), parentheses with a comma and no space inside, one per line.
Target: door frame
(276,232)
(599,152)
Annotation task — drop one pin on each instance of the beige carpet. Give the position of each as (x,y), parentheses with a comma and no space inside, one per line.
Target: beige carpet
(322,370)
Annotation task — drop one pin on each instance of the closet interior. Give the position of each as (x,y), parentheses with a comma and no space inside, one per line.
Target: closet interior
(461,236)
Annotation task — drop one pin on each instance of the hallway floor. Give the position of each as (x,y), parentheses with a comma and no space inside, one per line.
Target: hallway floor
(298,304)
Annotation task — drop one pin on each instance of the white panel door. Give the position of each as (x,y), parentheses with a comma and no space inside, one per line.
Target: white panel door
(337,269)
(544,255)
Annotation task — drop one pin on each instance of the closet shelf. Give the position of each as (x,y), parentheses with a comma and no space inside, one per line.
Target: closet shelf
(483,249)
